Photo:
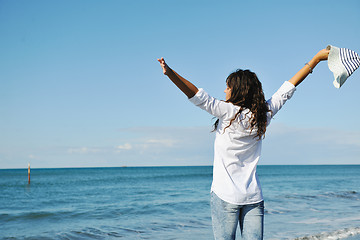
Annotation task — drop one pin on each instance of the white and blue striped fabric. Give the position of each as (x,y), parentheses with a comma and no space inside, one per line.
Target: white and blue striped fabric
(350,59)
(342,62)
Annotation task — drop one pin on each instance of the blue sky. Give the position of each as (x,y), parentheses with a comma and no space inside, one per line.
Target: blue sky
(80,85)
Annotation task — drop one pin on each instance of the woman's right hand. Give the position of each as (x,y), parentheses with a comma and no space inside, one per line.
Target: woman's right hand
(164,66)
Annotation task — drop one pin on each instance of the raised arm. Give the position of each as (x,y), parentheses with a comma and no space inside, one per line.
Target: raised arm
(184,85)
(308,68)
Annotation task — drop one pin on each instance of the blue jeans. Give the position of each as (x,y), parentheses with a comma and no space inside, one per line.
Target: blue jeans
(226,216)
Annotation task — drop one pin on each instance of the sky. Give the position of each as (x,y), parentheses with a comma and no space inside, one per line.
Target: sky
(80,85)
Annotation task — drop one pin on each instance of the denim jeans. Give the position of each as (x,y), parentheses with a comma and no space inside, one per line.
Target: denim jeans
(226,216)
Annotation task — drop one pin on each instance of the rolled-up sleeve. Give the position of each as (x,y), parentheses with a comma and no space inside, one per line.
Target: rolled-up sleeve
(215,107)
(284,93)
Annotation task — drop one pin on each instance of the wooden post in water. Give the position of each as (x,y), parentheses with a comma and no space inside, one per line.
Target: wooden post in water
(29,173)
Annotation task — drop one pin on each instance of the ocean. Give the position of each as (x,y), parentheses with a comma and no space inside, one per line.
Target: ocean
(301,202)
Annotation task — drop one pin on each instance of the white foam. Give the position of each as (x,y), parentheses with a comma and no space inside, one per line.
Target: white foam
(337,235)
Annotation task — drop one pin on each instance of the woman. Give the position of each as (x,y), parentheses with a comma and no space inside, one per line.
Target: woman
(236,195)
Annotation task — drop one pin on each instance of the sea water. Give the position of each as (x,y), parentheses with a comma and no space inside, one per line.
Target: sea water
(301,202)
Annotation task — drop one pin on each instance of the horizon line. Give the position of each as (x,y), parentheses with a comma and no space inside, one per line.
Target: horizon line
(159,166)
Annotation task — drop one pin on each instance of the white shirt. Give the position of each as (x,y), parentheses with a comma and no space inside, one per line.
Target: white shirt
(236,151)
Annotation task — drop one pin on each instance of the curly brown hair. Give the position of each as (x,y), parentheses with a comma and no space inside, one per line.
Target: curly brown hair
(247,93)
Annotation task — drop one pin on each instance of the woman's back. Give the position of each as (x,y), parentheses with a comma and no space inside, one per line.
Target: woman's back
(237,150)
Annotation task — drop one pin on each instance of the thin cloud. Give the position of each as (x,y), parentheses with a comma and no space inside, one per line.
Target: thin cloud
(161,142)
(126,146)
(295,145)
(84,150)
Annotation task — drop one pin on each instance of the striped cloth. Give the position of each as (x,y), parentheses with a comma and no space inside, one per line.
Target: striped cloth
(342,62)
(350,59)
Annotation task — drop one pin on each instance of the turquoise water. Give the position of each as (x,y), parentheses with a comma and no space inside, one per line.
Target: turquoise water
(301,202)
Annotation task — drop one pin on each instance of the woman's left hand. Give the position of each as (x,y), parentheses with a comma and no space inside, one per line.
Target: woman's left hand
(322,55)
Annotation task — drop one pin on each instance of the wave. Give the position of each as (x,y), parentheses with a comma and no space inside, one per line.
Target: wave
(26,216)
(346,194)
(95,233)
(269,211)
(351,195)
(336,235)
(40,215)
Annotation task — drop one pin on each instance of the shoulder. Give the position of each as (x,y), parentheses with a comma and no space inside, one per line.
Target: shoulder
(214,106)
